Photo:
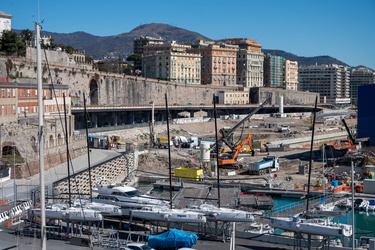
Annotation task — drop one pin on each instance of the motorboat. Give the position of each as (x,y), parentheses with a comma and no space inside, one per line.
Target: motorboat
(124,196)
(163,213)
(223,214)
(61,212)
(311,226)
(103,208)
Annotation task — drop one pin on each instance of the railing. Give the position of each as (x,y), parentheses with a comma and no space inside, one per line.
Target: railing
(293,206)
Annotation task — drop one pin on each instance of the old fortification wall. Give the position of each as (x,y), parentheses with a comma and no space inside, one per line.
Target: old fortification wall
(117,89)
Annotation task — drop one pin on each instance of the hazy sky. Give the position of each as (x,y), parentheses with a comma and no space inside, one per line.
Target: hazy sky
(342,29)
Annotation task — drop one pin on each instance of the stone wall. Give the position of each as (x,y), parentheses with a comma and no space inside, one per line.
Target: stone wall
(115,170)
(258,95)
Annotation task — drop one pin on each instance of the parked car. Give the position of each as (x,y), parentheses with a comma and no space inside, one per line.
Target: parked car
(138,246)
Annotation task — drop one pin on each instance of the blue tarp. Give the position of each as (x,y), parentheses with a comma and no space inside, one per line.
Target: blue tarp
(172,239)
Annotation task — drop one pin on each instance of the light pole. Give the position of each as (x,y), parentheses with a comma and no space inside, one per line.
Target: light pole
(14,174)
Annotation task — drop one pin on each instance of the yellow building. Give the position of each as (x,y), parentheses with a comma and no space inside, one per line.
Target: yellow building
(291,75)
(171,62)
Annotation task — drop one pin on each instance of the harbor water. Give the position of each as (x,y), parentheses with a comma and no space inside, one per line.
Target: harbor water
(364,221)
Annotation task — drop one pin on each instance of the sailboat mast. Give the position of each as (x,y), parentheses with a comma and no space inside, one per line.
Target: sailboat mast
(41,141)
(311,149)
(169,151)
(67,151)
(87,140)
(217,155)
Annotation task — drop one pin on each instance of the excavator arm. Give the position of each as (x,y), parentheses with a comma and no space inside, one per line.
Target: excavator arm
(227,134)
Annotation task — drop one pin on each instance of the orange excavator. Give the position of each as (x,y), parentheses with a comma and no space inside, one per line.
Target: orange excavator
(229,160)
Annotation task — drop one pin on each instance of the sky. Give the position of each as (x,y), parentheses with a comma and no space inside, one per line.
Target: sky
(342,29)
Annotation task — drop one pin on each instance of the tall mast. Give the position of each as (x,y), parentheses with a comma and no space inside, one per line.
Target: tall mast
(217,154)
(169,152)
(41,141)
(311,149)
(67,151)
(87,142)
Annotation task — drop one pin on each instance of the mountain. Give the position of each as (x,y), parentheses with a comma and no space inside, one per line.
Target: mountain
(305,60)
(99,47)
(122,45)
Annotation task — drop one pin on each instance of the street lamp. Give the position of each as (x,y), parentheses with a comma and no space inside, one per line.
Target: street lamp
(14,174)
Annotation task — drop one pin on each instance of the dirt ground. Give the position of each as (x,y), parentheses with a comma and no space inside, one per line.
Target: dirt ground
(156,160)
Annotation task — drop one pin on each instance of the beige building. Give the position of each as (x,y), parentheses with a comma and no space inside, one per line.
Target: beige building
(234,97)
(249,61)
(243,43)
(250,68)
(218,63)
(171,62)
(291,75)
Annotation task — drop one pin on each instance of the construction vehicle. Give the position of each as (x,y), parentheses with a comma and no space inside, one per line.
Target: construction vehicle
(230,160)
(163,143)
(116,139)
(269,164)
(227,138)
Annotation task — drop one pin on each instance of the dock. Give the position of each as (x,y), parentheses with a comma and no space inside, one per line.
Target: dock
(296,194)
(256,201)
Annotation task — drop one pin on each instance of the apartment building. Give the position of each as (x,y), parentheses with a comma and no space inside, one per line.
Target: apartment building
(5,22)
(219,63)
(19,104)
(249,61)
(274,71)
(139,43)
(359,77)
(250,68)
(243,43)
(171,62)
(291,75)
(330,81)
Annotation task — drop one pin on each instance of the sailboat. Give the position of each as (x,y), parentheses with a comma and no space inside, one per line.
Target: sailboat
(214,213)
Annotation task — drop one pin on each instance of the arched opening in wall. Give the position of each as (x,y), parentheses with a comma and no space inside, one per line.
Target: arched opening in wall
(51,141)
(59,139)
(10,150)
(34,144)
(94,95)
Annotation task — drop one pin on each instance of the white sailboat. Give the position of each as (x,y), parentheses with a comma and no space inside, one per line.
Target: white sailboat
(311,226)
(213,213)
(104,209)
(61,212)
(163,213)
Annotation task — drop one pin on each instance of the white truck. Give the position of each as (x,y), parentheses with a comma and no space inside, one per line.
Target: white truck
(269,164)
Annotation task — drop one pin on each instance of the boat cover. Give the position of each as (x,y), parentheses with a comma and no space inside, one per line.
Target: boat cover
(172,239)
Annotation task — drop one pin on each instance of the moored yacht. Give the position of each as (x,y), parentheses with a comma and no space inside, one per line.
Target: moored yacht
(103,208)
(61,212)
(223,214)
(124,196)
(311,226)
(163,213)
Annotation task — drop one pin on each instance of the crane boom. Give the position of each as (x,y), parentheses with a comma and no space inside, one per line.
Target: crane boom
(226,134)
(348,130)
